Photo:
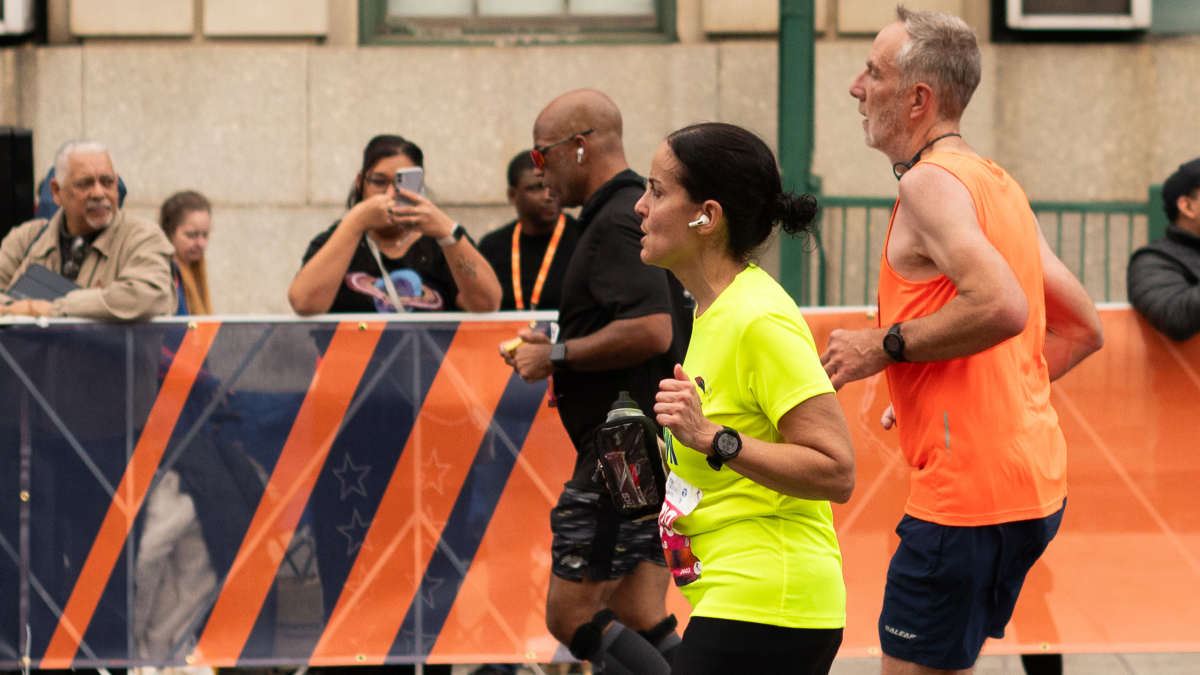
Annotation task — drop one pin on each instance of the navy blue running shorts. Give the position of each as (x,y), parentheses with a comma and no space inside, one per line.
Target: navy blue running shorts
(950,588)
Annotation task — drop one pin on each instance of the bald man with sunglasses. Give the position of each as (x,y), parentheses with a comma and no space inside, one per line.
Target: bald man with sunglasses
(624,325)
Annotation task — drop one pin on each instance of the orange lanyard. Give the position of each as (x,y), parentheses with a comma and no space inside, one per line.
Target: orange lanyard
(541,277)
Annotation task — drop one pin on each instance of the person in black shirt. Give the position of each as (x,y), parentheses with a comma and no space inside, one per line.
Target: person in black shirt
(624,326)
(431,262)
(538,218)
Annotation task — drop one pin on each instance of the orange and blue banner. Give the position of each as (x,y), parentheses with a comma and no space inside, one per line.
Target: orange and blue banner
(369,491)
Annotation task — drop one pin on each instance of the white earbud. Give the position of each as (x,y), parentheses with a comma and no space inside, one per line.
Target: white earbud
(579,156)
(703,220)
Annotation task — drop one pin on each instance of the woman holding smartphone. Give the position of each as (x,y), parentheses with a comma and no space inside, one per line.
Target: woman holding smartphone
(384,253)
(752,420)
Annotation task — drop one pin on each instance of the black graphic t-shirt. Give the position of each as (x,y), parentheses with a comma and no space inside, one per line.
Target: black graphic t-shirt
(422,278)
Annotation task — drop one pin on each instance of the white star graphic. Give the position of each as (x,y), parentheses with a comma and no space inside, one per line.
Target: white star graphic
(352,532)
(354,483)
(435,472)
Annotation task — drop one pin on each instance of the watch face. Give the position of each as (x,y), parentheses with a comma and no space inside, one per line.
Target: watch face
(727,444)
(891,344)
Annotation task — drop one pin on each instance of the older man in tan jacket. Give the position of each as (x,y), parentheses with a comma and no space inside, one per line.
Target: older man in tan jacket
(121,263)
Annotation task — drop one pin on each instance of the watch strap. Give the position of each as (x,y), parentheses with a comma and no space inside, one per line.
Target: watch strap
(558,355)
(454,237)
(717,459)
(893,343)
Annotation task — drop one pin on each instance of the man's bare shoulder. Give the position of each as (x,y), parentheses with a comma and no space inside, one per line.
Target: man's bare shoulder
(928,184)
(931,196)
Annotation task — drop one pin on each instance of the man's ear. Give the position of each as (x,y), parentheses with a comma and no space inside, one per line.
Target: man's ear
(512,195)
(1189,207)
(55,189)
(920,100)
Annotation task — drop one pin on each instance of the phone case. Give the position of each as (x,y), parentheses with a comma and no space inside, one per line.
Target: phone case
(411,179)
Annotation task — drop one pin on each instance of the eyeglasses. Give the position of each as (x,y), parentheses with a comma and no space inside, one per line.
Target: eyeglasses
(378,181)
(539,154)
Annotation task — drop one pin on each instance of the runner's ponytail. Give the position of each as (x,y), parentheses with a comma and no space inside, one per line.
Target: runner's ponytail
(795,213)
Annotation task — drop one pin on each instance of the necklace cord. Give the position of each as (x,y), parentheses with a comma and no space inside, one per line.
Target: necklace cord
(917,157)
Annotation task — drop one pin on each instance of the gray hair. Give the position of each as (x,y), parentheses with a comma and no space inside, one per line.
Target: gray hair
(941,51)
(74,147)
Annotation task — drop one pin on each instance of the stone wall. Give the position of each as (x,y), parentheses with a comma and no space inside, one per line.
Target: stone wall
(273,133)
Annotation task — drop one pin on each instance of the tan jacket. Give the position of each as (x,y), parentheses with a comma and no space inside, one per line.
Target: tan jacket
(125,277)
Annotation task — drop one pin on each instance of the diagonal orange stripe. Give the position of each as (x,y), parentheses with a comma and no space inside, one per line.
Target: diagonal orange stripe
(492,617)
(110,540)
(422,491)
(274,523)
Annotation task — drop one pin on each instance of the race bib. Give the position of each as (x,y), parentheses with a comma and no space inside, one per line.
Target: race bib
(682,499)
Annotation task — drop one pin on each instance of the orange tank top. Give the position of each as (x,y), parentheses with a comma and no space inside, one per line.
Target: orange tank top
(979,432)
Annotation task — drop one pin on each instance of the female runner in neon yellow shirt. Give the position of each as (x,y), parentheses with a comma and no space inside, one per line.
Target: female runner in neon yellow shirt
(753,426)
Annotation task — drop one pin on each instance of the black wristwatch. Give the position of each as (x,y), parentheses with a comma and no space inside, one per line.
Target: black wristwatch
(454,237)
(726,446)
(893,344)
(558,355)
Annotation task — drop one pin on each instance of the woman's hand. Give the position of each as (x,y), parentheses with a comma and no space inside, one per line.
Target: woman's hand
(677,407)
(423,215)
(375,213)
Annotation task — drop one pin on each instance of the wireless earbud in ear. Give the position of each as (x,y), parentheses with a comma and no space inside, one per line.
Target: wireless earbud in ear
(702,220)
(579,156)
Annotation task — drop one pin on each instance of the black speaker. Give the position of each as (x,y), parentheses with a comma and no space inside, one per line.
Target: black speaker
(16,177)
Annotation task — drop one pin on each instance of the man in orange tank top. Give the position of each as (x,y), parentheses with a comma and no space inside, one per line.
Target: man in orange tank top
(977,317)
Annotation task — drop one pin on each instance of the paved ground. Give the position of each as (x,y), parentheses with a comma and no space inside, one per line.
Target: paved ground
(1073,664)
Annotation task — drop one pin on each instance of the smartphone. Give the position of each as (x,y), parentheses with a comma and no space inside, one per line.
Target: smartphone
(411,179)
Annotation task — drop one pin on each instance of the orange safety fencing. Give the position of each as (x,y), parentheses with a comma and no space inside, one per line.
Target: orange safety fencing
(444,552)
(1123,574)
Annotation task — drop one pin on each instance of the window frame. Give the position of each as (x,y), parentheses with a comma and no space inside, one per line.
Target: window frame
(1138,18)
(372,14)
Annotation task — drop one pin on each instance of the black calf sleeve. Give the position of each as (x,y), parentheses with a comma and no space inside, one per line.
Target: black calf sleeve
(625,652)
(664,638)
(662,630)
(587,638)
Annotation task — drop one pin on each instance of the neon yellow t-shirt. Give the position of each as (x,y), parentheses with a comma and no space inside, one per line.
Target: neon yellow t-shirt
(767,557)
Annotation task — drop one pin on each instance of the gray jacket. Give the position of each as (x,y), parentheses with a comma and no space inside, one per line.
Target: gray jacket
(1164,283)
(125,277)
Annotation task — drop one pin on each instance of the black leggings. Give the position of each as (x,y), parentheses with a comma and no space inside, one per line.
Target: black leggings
(722,646)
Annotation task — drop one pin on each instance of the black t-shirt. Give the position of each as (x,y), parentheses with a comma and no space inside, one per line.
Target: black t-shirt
(421,276)
(496,248)
(607,281)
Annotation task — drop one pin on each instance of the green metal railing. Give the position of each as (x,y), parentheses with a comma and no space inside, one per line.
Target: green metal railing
(840,263)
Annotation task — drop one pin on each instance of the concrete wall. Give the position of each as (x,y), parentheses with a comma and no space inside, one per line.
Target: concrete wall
(273,132)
